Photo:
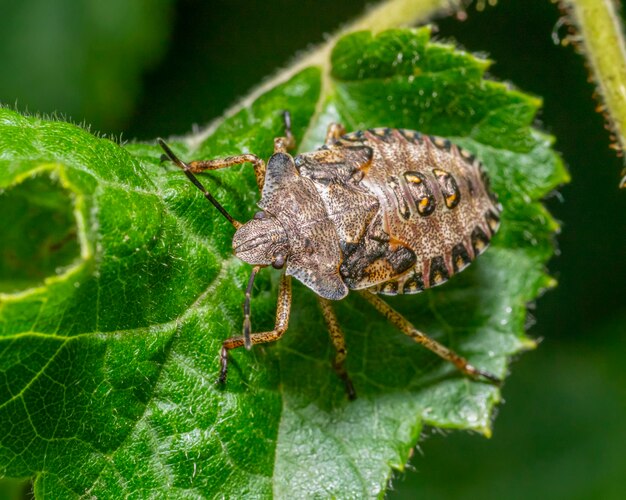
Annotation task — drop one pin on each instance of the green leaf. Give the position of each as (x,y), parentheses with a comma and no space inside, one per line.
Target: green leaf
(110,343)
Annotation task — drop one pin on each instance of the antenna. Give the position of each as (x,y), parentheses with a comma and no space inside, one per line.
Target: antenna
(187,170)
(246,309)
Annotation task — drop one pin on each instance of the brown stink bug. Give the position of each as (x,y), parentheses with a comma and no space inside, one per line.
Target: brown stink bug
(382,211)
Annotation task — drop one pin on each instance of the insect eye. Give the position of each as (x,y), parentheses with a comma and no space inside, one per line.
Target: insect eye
(279,261)
(259,215)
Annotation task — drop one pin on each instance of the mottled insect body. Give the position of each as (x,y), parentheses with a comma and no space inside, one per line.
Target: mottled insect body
(409,210)
(382,211)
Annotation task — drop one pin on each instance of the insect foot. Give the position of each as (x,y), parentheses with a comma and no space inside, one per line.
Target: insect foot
(380,211)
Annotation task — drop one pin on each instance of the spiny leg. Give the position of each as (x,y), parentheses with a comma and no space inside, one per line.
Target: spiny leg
(407,328)
(282,321)
(230,161)
(195,167)
(337,338)
(284,144)
(334,132)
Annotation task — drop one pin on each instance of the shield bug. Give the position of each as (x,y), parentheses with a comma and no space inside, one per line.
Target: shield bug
(381,211)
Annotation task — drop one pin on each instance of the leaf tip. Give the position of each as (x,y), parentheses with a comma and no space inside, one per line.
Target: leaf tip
(550,283)
(529,344)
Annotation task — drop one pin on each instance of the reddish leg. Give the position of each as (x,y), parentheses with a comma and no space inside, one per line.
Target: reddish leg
(334,132)
(337,338)
(408,329)
(282,321)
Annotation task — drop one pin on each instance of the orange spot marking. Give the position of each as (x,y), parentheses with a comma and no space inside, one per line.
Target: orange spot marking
(394,243)
(413,178)
(365,168)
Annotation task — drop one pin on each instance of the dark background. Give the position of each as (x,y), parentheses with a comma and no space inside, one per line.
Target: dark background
(156,67)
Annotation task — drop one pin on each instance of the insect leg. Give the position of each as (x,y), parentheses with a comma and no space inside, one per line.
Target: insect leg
(407,328)
(230,161)
(196,167)
(283,309)
(336,336)
(283,144)
(334,132)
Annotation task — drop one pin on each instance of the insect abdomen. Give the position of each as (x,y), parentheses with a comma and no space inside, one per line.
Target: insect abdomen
(436,201)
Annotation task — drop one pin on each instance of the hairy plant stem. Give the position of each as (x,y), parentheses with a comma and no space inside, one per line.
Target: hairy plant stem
(602,38)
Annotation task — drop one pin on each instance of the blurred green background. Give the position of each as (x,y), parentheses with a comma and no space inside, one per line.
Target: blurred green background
(144,68)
